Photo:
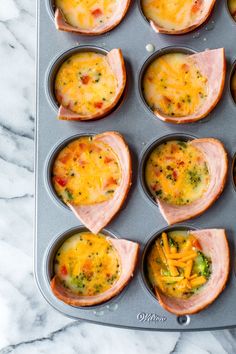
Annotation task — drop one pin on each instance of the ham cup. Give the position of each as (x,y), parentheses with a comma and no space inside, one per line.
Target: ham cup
(185,179)
(89,18)
(212,262)
(96,91)
(92,175)
(176,17)
(193,89)
(92,287)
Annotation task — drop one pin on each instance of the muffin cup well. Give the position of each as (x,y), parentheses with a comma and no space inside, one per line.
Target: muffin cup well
(146,153)
(147,248)
(56,64)
(232,72)
(50,254)
(233,171)
(154,56)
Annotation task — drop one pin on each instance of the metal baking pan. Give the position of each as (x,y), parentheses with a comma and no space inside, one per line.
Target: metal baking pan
(139,219)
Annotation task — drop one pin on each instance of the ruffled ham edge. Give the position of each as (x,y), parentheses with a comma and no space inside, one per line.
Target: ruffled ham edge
(128,255)
(118,16)
(207,9)
(116,61)
(95,217)
(216,157)
(212,65)
(214,244)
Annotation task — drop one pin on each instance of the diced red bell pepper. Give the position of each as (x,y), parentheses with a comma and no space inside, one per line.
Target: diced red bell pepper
(96,12)
(154,187)
(175,175)
(64,270)
(85,79)
(98,104)
(196,244)
(82,146)
(197,5)
(185,66)
(109,182)
(108,159)
(180,163)
(64,158)
(61,181)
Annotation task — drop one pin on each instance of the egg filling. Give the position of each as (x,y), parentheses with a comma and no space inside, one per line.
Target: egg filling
(232,8)
(87,264)
(233,86)
(174,87)
(176,264)
(87,14)
(86,172)
(172,14)
(177,173)
(85,83)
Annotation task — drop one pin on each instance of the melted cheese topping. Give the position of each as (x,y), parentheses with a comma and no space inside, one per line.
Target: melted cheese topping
(87,264)
(232,8)
(233,86)
(86,172)
(172,14)
(87,14)
(173,86)
(177,173)
(176,265)
(85,83)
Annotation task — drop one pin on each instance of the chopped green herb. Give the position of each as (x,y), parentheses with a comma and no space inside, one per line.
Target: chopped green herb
(69,194)
(194,177)
(182,144)
(110,191)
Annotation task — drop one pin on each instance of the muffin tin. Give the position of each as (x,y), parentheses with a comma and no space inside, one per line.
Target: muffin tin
(139,220)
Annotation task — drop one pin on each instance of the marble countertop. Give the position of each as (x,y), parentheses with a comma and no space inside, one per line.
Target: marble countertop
(27,323)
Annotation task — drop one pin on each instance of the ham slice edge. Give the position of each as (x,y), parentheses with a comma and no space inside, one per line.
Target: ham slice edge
(214,245)
(217,161)
(97,216)
(212,65)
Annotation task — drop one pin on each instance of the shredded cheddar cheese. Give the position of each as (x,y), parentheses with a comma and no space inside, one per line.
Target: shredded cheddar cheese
(173,86)
(179,274)
(85,83)
(86,172)
(172,14)
(177,173)
(87,14)
(87,264)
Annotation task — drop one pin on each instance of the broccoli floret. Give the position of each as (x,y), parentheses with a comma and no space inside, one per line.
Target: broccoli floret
(202,265)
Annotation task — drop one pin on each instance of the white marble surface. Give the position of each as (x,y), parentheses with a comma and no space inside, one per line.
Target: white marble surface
(27,323)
